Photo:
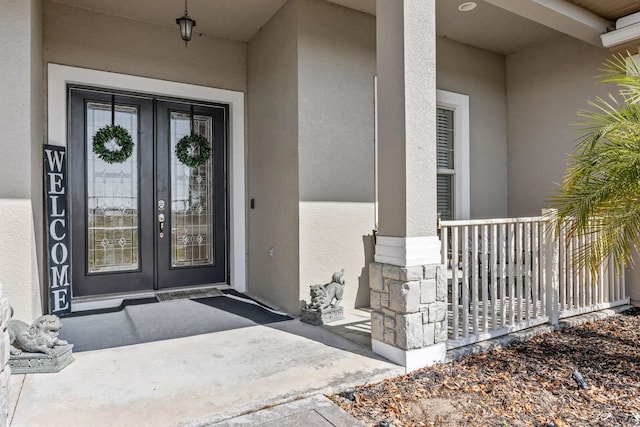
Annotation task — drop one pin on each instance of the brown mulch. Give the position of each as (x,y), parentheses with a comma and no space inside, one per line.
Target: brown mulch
(527,384)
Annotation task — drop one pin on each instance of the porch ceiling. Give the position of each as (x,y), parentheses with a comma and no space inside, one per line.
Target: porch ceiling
(228,19)
(487,27)
(610,9)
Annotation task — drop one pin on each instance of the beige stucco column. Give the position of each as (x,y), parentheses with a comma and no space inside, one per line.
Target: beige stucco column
(408,286)
(406,68)
(21,121)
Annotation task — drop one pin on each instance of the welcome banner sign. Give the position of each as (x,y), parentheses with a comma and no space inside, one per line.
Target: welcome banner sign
(55,170)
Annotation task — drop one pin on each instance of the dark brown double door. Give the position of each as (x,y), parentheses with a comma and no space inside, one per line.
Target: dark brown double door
(149,222)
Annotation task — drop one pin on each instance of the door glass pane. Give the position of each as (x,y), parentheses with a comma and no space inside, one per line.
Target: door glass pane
(192,212)
(112,195)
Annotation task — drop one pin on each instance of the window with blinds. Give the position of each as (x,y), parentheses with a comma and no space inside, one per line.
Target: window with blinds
(446,165)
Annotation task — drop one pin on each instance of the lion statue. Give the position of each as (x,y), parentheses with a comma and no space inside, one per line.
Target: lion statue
(323,296)
(41,337)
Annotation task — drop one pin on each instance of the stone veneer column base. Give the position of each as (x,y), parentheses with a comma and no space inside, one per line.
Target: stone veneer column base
(409,313)
(411,359)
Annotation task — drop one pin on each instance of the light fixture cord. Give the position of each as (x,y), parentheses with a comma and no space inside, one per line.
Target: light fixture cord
(192,121)
(113,110)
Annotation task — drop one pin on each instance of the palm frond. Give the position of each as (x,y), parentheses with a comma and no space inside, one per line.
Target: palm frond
(599,201)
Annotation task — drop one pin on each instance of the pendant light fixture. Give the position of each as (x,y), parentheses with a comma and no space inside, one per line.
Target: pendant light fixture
(186,25)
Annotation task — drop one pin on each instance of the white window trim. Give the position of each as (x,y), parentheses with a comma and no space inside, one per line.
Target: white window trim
(59,76)
(459,104)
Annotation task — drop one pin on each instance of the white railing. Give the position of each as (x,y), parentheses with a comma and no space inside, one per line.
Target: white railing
(510,274)
(579,291)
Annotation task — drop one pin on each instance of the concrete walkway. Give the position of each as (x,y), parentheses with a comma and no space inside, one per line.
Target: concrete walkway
(315,411)
(203,380)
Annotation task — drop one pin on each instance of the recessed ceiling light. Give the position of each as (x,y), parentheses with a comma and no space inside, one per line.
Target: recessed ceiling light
(467,6)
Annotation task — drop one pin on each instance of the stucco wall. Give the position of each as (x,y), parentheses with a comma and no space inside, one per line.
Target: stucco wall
(546,85)
(37,138)
(480,74)
(336,65)
(336,62)
(20,176)
(82,38)
(273,161)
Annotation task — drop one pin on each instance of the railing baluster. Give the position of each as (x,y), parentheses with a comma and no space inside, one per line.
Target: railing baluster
(455,307)
(606,291)
(612,281)
(465,281)
(600,284)
(494,276)
(512,272)
(563,271)
(583,278)
(503,274)
(528,274)
(476,271)
(589,276)
(584,282)
(577,273)
(444,246)
(519,271)
(606,283)
(619,287)
(535,268)
(569,265)
(544,266)
(485,278)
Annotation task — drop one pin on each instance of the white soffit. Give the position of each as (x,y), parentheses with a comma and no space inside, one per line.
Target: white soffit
(621,36)
(560,15)
(627,30)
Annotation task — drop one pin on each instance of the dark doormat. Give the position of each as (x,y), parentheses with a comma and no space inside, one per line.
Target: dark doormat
(152,321)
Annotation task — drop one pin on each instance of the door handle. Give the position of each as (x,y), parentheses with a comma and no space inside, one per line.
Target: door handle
(161,223)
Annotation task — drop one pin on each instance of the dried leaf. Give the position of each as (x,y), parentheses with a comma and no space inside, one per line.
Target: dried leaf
(523,384)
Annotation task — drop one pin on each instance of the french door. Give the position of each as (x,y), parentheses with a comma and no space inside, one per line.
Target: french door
(149,222)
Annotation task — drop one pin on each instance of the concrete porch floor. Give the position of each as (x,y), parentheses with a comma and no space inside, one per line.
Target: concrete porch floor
(201,380)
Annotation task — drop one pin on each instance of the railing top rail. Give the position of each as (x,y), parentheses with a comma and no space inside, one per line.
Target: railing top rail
(490,221)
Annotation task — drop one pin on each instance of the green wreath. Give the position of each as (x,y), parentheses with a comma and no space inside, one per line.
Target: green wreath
(121,137)
(201,150)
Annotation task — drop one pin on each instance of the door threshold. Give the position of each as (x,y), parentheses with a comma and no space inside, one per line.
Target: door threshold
(101,302)
(221,286)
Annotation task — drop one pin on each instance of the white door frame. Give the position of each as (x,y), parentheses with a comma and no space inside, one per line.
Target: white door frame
(59,76)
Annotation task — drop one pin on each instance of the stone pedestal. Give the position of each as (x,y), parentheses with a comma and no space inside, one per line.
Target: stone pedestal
(31,363)
(5,371)
(327,315)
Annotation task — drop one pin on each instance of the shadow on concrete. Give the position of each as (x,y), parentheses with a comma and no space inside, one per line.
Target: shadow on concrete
(137,322)
(147,321)
(363,294)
